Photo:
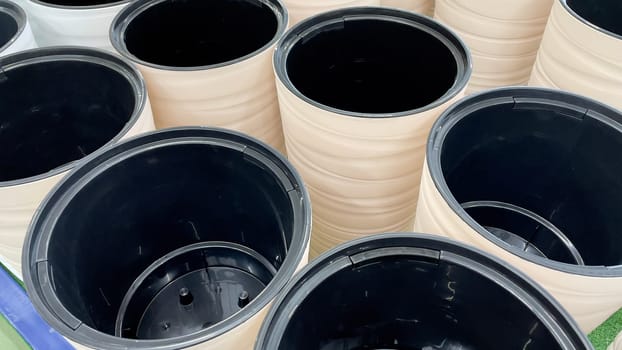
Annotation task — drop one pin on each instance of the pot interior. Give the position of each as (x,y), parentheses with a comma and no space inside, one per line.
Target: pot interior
(79,3)
(194,33)
(371,65)
(410,303)
(171,240)
(8,28)
(604,14)
(58,111)
(543,179)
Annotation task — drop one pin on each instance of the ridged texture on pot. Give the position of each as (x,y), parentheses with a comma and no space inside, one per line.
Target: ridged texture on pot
(301,9)
(589,300)
(617,343)
(89,27)
(239,96)
(576,57)
(24,41)
(362,173)
(425,7)
(503,36)
(19,203)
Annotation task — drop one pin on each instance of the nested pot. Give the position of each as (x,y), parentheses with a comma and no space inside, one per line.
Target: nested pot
(359,90)
(412,291)
(73,22)
(301,9)
(581,50)
(207,63)
(532,175)
(175,239)
(425,7)
(15,32)
(504,37)
(59,105)
(617,343)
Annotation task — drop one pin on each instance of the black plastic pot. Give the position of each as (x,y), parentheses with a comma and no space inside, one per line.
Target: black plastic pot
(603,15)
(12,23)
(167,241)
(409,291)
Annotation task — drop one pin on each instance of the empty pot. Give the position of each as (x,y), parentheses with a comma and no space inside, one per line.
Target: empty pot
(179,238)
(409,291)
(532,176)
(581,50)
(15,33)
(59,105)
(425,7)
(207,63)
(503,37)
(301,9)
(73,22)
(359,90)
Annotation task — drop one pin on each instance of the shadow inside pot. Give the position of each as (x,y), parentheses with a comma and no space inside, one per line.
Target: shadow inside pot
(604,14)
(8,28)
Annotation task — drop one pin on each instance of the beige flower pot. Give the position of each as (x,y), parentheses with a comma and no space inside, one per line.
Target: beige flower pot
(60,105)
(503,36)
(15,32)
(532,176)
(359,90)
(301,9)
(425,7)
(617,343)
(211,65)
(175,239)
(581,50)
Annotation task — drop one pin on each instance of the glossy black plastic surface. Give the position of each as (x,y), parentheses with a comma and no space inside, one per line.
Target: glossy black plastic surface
(8,28)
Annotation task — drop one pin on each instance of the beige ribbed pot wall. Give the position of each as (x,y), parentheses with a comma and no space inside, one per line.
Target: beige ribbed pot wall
(617,343)
(545,164)
(39,145)
(503,36)
(301,9)
(207,75)
(581,50)
(425,7)
(356,119)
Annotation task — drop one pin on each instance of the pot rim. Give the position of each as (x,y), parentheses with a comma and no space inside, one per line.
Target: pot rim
(555,99)
(83,54)
(124,17)
(35,248)
(426,246)
(588,23)
(78,7)
(447,36)
(19,15)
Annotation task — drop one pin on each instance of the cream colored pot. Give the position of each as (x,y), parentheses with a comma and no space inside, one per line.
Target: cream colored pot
(15,32)
(581,50)
(617,343)
(301,9)
(503,36)
(175,239)
(60,105)
(210,65)
(73,22)
(532,176)
(359,90)
(425,7)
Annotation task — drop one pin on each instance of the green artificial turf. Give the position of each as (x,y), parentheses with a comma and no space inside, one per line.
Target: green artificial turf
(9,338)
(606,333)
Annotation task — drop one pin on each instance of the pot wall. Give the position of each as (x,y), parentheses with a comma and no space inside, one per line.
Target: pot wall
(579,58)
(617,343)
(503,37)
(425,7)
(301,9)
(24,39)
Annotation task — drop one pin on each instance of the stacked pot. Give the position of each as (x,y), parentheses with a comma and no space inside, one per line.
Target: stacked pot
(301,9)
(425,7)
(15,32)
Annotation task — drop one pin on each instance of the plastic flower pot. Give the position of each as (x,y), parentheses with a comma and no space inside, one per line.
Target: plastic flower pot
(59,105)
(73,22)
(504,37)
(359,89)
(301,9)
(617,343)
(425,7)
(531,175)
(15,33)
(178,238)
(410,291)
(581,50)
(210,65)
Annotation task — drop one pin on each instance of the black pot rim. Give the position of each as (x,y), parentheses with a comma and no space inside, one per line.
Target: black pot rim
(35,248)
(440,32)
(78,7)
(588,23)
(19,15)
(124,17)
(554,99)
(434,247)
(91,55)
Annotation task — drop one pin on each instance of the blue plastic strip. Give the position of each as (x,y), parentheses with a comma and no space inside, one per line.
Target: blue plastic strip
(18,310)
